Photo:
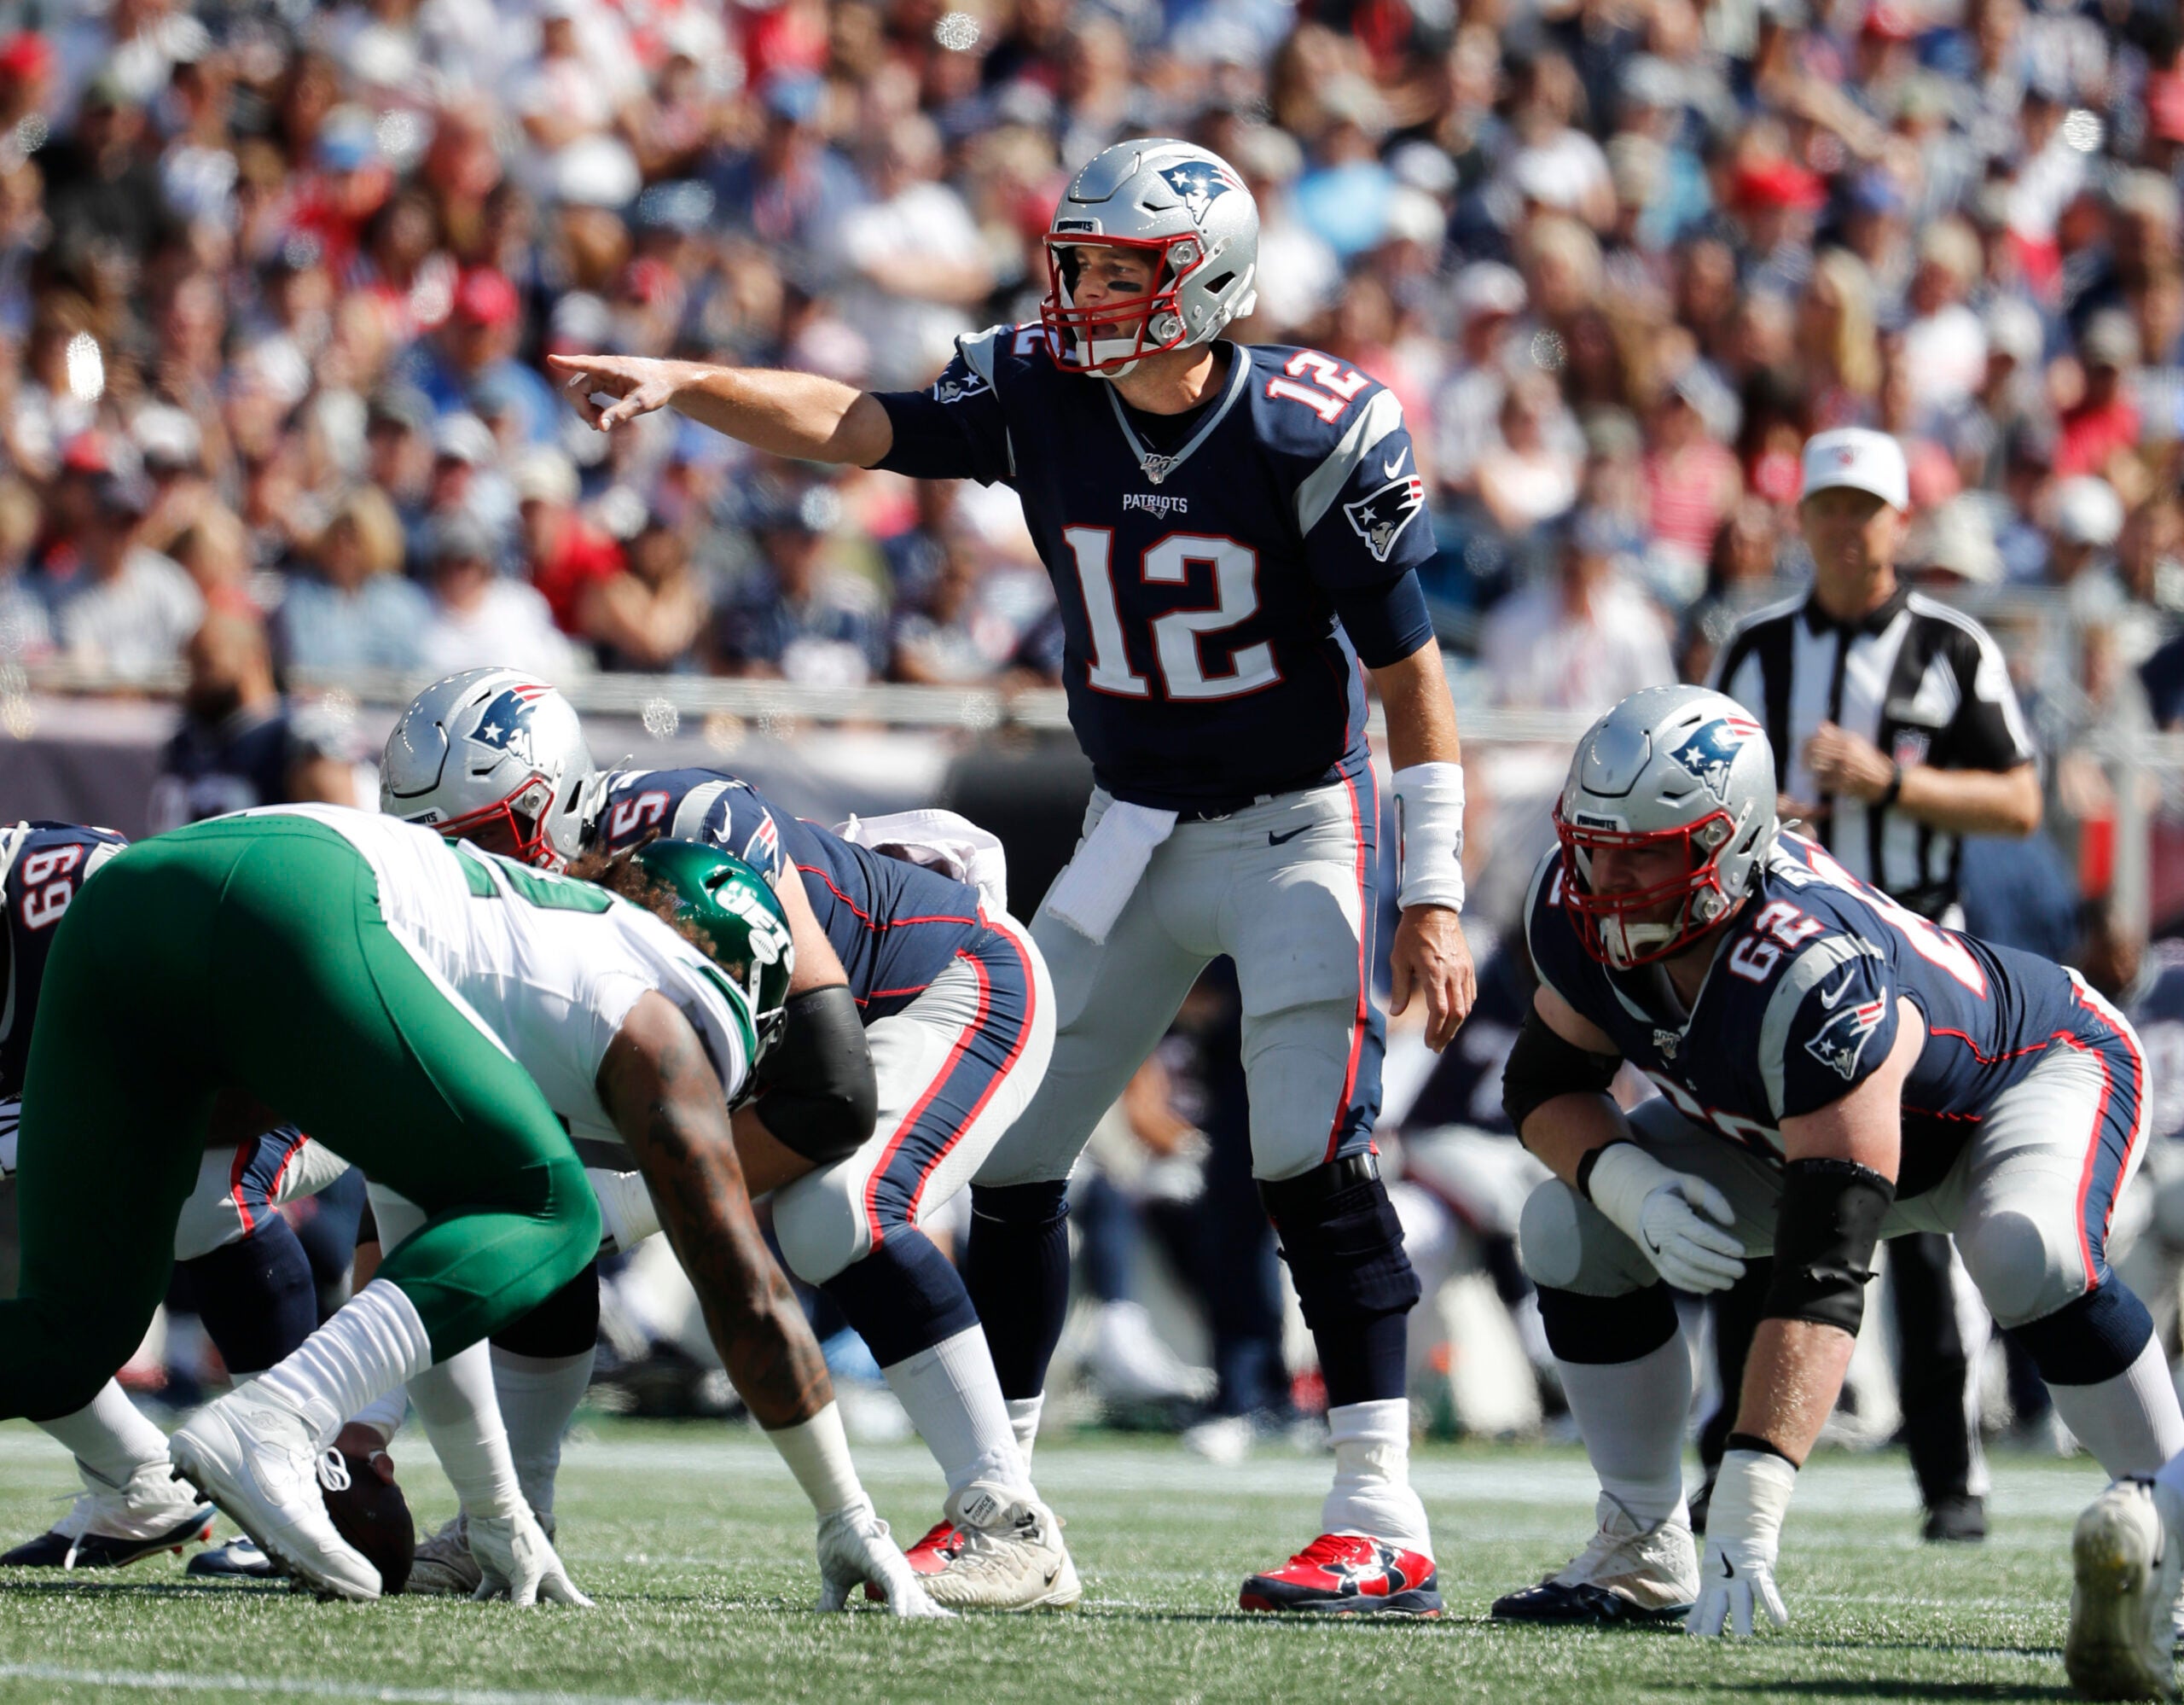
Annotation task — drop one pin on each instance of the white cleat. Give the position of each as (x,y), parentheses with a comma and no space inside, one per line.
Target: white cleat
(1016,1562)
(106,1527)
(258,1460)
(516,1561)
(445,1568)
(1631,1573)
(2127,1564)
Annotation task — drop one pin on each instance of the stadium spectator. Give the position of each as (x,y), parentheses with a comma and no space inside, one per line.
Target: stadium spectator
(652,615)
(1583,638)
(480,618)
(357,612)
(117,605)
(800,616)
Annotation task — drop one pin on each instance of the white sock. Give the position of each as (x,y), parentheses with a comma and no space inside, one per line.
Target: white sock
(455,1400)
(384,1415)
(539,1394)
(1631,1415)
(955,1401)
(1024,1422)
(2131,1422)
(1371,1490)
(374,1343)
(109,1440)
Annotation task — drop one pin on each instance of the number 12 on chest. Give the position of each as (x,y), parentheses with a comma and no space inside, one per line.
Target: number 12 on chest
(1177,636)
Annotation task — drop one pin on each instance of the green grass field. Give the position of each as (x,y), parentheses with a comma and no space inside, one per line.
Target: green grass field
(697,1546)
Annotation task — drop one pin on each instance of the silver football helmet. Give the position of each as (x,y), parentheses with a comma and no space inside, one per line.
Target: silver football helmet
(490,748)
(1677,767)
(1189,211)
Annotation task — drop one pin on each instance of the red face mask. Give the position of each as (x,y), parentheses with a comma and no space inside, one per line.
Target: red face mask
(1607,924)
(1157,317)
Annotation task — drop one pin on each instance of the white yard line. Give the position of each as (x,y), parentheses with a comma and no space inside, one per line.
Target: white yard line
(304,1686)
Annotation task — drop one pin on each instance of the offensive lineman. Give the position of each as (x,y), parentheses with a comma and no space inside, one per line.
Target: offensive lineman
(369,981)
(912,997)
(1833,1069)
(1231,531)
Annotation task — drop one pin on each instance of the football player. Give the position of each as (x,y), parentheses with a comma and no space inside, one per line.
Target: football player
(918,1025)
(1833,1069)
(251,1275)
(1231,531)
(433,1015)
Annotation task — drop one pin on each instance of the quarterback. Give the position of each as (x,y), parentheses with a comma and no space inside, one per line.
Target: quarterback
(1833,1069)
(1231,531)
(433,1015)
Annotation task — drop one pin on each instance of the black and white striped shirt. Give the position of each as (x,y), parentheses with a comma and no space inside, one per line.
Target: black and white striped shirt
(1924,683)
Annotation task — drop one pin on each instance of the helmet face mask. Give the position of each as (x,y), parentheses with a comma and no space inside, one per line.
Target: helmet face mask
(1677,771)
(1136,326)
(747,931)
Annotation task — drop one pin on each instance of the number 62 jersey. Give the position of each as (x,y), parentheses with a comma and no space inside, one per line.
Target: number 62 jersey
(1219,574)
(1800,1007)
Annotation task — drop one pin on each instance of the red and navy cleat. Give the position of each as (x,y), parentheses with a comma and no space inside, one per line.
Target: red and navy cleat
(940,1547)
(1349,1574)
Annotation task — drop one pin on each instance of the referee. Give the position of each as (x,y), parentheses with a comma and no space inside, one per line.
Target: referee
(1896,732)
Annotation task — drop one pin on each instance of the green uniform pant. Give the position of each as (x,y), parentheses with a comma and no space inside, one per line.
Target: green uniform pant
(249,954)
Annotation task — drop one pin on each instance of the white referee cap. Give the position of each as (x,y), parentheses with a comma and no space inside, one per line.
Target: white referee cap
(1862,458)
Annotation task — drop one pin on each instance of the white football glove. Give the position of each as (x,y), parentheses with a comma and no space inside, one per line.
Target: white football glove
(854,1547)
(1677,1219)
(519,1562)
(1744,1532)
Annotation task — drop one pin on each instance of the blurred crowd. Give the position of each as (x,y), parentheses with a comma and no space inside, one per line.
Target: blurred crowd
(278,281)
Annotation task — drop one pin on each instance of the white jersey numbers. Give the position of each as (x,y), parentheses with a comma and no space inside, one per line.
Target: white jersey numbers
(1178,635)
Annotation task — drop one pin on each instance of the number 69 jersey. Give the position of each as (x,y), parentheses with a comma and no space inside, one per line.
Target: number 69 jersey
(1800,1007)
(1200,562)
(42,866)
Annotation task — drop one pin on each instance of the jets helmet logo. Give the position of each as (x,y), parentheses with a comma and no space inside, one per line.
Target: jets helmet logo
(1199,183)
(1842,1040)
(505,724)
(1380,518)
(1711,751)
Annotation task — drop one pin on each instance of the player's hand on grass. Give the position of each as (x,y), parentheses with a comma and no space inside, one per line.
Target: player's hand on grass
(633,384)
(1679,1219)
(855,1547)
(1430,956)
(519,1562)
(1744,1533)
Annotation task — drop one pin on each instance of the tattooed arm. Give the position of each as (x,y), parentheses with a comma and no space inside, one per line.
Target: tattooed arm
(662,1092)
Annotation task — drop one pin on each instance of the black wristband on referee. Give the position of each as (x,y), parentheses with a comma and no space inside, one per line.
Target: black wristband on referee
(1895,788)
(1753,1442)
(1587,1161)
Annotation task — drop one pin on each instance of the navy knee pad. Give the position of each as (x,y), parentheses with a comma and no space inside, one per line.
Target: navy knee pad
(256,1296)
(2093,1339)
(902,1298)
(1016,1269)
(566,1324)
(1343,1247)
(1603,1330)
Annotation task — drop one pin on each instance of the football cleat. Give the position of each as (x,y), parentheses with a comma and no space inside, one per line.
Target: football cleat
(1629,1574)
(2127,1565)
(106,1529)
(239,1559)
(942,1544)
(258,1460)
(444,1568)
(1016,1562)
(1349,1574)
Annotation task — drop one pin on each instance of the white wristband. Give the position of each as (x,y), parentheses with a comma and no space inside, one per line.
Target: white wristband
(817,1452)
(1430,835)
(627,1215)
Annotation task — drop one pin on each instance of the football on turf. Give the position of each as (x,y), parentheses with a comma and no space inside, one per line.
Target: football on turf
(369,1512)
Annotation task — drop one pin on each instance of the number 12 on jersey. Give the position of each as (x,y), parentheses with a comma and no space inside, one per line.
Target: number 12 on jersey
(1177,635)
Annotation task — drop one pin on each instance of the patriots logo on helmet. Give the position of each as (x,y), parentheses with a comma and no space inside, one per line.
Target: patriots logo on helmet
(505,724)
(1199,182)
(1842,1040)
(1380,518)
(1711,751)
(948,388)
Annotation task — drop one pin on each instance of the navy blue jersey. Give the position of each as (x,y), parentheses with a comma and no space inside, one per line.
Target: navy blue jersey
(1800,1007)
(2156,1010)
(1200,587)
(238,764)
(894,925)
(45,863)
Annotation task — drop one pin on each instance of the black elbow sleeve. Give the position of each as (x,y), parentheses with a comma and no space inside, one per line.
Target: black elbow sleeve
(1542,1065)
(1824,1231)
(819,1096)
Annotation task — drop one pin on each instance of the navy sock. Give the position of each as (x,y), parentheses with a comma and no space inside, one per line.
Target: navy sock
(1016,1267)
(902,1298)
(256,1296)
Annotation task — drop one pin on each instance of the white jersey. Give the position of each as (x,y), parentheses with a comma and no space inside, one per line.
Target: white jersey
(549,967)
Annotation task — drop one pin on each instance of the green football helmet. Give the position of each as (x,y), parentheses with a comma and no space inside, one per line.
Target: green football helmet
(735,909)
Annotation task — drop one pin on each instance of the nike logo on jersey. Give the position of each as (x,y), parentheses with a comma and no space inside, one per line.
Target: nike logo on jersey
(1829,1002)
(1274,840)
(1390,469)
